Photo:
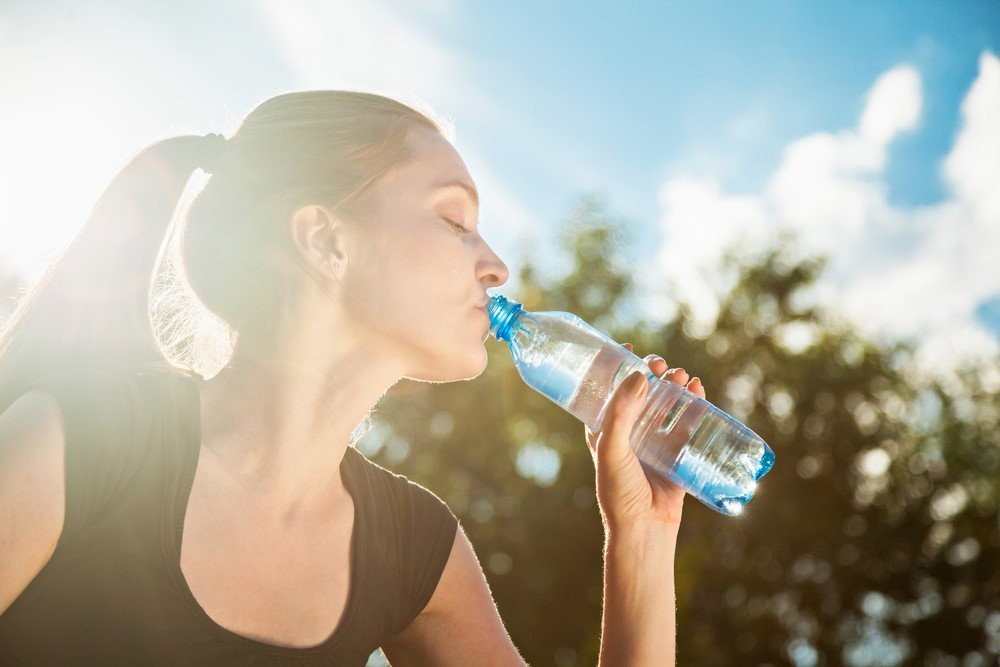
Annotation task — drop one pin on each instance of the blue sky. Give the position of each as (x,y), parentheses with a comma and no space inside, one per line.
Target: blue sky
(682,115)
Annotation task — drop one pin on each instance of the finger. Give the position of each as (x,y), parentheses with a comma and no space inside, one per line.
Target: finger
(678,375)
(656,363)
(694,386)
(622,411)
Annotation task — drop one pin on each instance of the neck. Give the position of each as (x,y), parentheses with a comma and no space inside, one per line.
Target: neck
(282,425)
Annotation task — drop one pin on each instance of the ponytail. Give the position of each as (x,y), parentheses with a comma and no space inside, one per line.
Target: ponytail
(90,308)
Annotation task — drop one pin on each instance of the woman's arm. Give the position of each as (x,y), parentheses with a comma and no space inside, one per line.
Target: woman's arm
(32,497)
(638,626)
(460,624)
(641,517)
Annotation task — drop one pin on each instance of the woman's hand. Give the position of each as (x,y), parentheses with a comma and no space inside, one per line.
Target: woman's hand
(630,498)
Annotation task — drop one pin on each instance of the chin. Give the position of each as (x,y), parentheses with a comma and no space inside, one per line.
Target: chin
(454,369)
(470,367)
(476,369)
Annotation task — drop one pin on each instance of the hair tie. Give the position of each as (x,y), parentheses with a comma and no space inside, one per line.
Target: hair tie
(214,152)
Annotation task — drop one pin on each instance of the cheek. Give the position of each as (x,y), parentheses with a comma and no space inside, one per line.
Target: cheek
(416,281)
(393,286)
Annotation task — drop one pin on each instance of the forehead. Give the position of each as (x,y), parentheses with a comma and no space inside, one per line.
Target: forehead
(435,164)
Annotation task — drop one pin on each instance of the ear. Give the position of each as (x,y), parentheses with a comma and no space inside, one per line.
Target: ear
(320,238)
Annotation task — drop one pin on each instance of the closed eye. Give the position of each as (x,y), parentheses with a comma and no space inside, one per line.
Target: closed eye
(462,231)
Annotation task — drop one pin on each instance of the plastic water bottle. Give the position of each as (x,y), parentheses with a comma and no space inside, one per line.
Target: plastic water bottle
(678,435)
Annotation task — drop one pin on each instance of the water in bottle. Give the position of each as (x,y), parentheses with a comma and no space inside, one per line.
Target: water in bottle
(678,435)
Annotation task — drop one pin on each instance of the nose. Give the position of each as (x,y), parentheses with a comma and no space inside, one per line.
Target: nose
(493,271)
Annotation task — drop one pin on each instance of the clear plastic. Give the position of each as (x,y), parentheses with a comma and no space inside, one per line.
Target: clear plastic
(678,435)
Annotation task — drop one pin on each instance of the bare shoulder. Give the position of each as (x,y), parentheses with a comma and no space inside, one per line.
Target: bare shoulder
(460,624)
(32,489)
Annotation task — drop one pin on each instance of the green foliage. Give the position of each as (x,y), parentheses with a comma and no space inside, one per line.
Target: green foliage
(873,541)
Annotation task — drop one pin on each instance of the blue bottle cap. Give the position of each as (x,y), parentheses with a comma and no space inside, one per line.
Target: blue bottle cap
(503,314)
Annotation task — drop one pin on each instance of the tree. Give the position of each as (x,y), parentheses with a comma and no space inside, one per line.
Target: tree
(873,541)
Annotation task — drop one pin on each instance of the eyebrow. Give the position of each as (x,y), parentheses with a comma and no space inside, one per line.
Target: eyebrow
(469,190)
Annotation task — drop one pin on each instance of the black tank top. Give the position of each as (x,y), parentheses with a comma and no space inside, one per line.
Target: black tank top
(113,592)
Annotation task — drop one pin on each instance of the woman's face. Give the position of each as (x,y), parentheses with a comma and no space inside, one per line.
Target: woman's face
(421,282)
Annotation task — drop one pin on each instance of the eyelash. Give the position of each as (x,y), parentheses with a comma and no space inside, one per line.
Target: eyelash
(462,231)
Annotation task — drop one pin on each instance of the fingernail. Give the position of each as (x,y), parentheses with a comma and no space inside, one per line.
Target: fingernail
(637,382)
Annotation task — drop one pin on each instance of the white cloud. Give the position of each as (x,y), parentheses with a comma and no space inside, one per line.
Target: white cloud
(827,185)
(697,217)
(972,169)
(895,271)
(892,106)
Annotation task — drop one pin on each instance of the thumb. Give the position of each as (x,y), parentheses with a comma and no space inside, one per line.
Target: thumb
(619,418)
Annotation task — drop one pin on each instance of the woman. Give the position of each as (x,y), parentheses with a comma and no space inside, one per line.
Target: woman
(148,515)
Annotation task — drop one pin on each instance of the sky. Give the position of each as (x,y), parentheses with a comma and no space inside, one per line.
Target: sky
(870,129)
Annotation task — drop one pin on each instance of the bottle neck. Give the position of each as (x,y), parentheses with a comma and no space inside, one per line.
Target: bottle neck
(504,315)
